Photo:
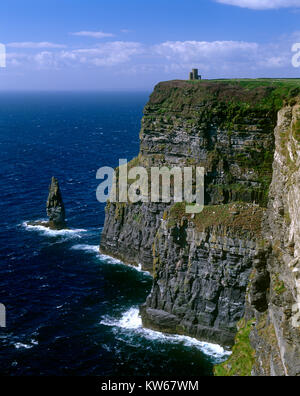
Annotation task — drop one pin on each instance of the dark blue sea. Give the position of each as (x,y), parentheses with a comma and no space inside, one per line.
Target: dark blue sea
(71,310)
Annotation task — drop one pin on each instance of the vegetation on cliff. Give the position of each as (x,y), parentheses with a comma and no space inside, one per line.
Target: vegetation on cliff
(243,355)
(230,125)
(238,217)
(240,96)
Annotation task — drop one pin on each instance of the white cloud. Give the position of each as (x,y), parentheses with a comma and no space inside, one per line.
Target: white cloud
(188,51)
(173,58)
(98,35)
(231,58)
(16,58)
(103,55)
(35,45)
(46,60)
(262,4)
(108,54)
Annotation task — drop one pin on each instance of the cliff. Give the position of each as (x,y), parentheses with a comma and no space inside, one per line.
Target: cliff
(225,127)
(282,231)
(207,266)
(273,340)
(201,271)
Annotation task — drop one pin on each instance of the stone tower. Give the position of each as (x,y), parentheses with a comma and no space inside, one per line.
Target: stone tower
(194,75)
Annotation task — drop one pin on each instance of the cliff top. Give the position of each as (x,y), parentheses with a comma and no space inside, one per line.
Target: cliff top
(265,93)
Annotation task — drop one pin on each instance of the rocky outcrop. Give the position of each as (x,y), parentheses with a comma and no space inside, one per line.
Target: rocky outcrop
(204,265)
(55,207)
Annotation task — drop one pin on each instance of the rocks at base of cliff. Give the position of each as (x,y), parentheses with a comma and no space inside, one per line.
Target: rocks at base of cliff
(165,322)
(159,320)
(55,209)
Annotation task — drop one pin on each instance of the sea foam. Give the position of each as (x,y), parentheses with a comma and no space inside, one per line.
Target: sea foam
(86,248)
(21,345)
(105,258)
(111,260)
(132,322)
(52,233)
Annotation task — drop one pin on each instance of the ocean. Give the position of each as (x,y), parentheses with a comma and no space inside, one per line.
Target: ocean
(71,310)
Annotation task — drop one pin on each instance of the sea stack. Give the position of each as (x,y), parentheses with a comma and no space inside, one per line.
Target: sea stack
(55,207)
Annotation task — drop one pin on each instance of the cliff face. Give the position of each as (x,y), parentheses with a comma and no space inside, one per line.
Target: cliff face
(201,271)
(202,264)
(215,125)
(276,336)
(129,232)
(226,128)
(272,303)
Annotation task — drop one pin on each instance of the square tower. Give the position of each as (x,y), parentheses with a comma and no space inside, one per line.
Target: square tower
(195,74)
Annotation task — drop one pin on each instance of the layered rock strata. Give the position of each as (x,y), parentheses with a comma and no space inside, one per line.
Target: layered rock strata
(204,265)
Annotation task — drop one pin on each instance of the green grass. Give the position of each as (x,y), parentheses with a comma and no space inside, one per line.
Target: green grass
(241,217)
(264,94)
(243,355)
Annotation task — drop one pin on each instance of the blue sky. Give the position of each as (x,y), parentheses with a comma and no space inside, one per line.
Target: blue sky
(133,44)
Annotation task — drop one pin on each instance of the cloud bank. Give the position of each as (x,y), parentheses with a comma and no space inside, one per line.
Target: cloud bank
(169,59)
(35,45)
(262,4)
(97,35)
(108,54)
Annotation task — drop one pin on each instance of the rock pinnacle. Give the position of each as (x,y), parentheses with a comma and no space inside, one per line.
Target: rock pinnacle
(55,207)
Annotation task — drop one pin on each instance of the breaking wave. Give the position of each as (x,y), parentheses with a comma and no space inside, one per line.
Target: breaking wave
(131,322)
(105,258)
(53,233)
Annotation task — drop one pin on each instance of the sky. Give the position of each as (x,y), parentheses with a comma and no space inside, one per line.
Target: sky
(131,45)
